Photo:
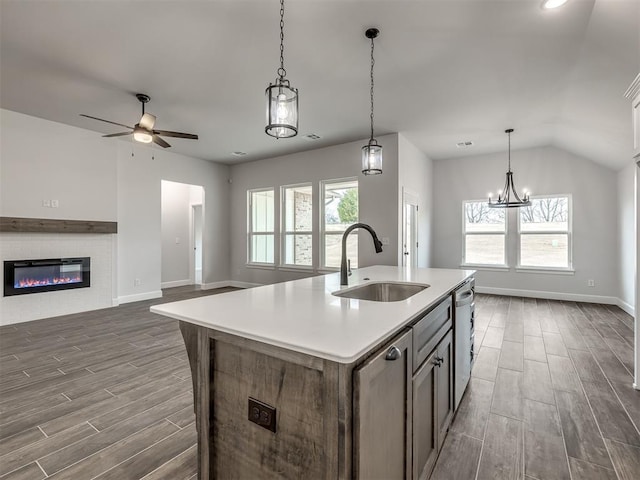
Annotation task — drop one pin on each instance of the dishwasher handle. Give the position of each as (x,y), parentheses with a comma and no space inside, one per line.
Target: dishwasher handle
(465,299)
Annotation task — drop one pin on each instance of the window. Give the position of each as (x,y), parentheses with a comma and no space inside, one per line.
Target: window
(545,233)
(297,230)
(484,231)
(261,231)
(339,210)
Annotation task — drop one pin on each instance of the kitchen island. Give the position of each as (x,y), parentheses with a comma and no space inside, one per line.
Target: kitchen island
(288,383)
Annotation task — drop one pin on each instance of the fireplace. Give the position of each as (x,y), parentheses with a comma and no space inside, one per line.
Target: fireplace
(46,275)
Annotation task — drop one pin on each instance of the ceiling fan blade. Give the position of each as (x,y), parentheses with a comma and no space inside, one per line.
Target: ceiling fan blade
(147,121)
(168,133)
(117,134)
(107,121)
(159,141)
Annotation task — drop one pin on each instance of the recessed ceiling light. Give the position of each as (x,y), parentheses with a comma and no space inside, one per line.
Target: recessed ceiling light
(464,144)
(549,4)
(238,154)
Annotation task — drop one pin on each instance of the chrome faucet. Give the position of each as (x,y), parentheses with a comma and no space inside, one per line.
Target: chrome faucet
(344,277)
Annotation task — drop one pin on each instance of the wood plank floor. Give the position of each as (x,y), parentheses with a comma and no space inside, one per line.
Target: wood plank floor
(550,396)
(107,394)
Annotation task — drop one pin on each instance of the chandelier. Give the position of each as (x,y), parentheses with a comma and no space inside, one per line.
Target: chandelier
(508,197)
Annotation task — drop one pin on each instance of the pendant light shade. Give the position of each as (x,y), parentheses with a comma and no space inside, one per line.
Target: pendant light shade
(508,197)
(372,159)
(282,109)
(282,98)
(372,152)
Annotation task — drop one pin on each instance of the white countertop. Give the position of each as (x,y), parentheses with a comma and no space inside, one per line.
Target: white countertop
(303,316)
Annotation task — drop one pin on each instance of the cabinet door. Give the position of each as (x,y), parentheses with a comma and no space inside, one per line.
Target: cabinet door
(425,433)
(444,386)
(382,413)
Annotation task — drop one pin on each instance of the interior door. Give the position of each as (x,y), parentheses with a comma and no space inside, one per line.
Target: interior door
(409,230)
(197,243)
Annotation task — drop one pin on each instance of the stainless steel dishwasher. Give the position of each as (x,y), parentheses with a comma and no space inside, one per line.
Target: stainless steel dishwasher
(463,333)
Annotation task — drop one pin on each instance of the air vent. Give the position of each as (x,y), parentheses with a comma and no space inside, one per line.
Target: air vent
(238,154)
(312,136)
(464,144)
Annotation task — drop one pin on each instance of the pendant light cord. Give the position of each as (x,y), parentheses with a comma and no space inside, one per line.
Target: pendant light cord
(281,71)
(371,92)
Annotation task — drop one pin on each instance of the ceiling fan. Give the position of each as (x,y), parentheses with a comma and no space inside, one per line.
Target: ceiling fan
(143,130)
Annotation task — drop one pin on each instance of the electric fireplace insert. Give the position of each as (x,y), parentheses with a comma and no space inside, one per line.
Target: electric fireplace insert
(46,275)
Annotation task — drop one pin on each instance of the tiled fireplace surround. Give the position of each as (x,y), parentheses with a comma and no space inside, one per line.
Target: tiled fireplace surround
(101,293)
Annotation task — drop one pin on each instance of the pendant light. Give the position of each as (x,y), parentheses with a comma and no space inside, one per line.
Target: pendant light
(282,98)
(372,152)
(505,195)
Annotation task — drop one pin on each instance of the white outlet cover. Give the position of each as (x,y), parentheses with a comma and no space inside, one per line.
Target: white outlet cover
(386,241)
(46,203)
(55,204)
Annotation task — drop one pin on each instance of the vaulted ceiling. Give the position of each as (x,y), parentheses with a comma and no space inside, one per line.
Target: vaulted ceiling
(446,71)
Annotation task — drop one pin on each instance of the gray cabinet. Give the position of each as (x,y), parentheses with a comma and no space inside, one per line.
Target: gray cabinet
(403,401)
(425,438)
(432,406)
(444,386)
(382,412)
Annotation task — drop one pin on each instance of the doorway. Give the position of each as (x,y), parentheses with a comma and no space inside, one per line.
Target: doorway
(182,230)
(409,229)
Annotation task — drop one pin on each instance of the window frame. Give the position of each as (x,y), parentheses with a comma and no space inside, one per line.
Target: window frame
(505,234)
(568,232)
(284,232)
(322,266)
(251,233)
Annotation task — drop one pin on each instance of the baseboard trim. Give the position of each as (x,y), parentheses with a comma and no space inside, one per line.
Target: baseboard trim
(238,284)
(176,283)
(228,283)
(626,307)
(115,302)
(571,297)
(140,296)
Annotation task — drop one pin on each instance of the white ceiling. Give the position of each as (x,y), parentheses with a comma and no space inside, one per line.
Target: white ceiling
(446,71)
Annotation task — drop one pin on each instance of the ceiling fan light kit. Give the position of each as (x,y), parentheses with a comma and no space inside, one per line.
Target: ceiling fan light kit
(508,197)
(282,98)
(372,151)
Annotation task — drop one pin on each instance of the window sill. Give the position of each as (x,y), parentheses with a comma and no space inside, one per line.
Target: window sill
(548,271)
(488,268)
(261,266)
(327,270)
(296,268)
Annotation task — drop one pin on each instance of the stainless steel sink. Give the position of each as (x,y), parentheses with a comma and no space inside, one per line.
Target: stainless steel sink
(382,291)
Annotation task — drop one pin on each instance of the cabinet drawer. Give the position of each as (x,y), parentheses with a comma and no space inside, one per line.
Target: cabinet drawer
(430,330)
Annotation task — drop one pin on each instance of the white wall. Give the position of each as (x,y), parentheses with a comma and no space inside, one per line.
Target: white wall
(415,174)
(42,160)
(139,216)
(627,235)
(377,201)
(544,171)
(95,178)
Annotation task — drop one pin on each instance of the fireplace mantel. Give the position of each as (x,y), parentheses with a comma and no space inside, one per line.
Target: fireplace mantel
(51,225)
